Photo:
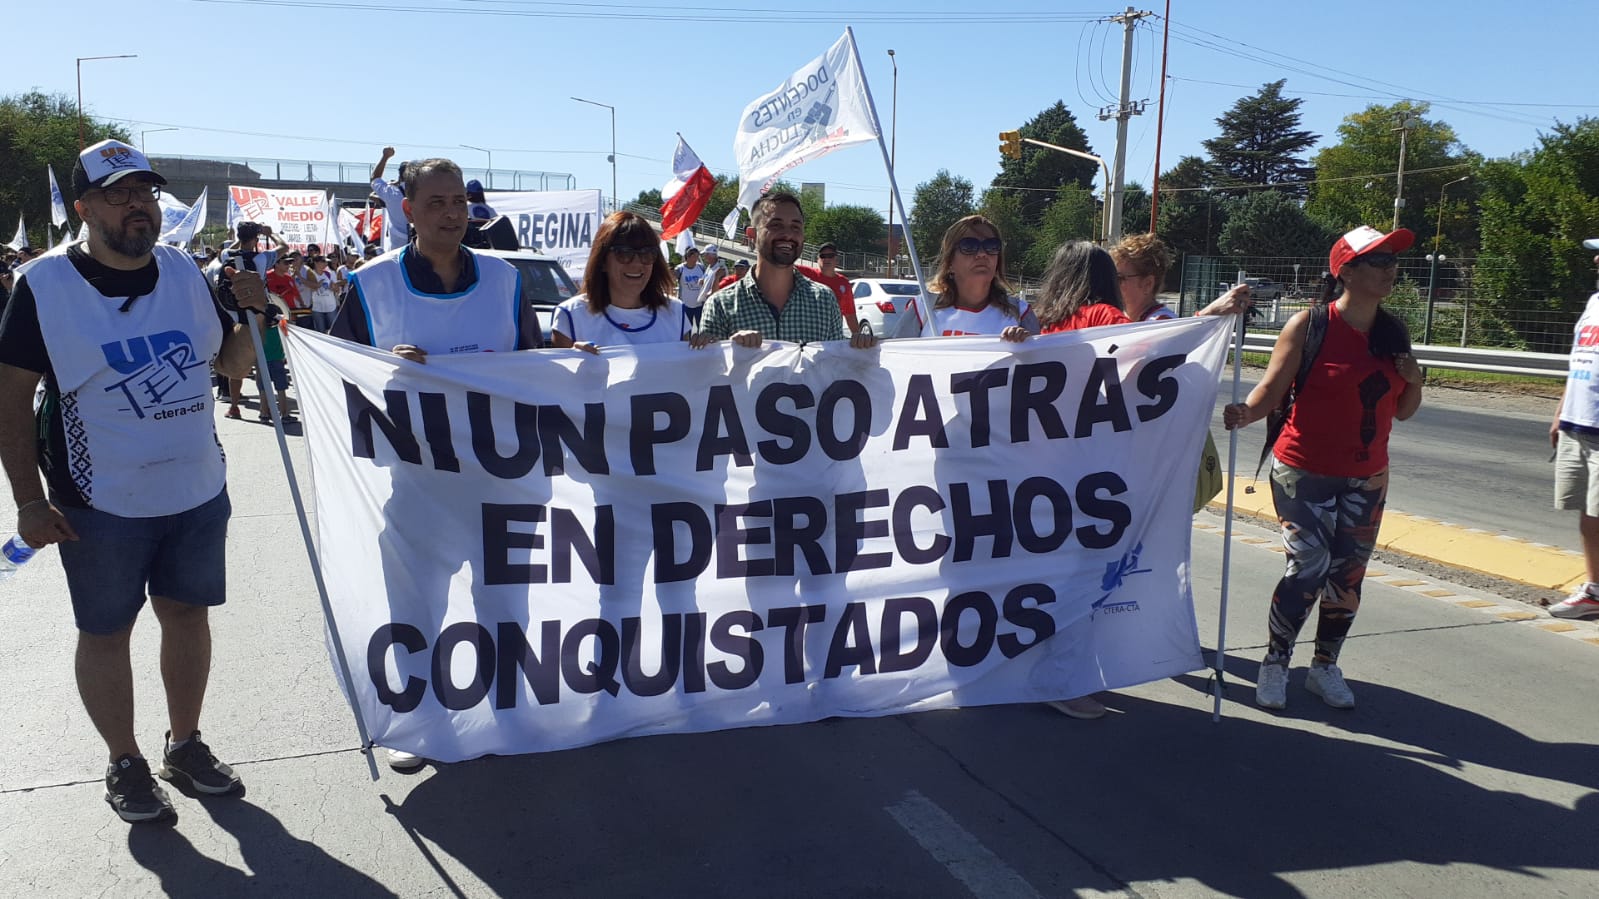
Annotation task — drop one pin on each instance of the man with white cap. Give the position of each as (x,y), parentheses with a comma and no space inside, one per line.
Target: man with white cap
(124,332)
(715,271)
(1574,434)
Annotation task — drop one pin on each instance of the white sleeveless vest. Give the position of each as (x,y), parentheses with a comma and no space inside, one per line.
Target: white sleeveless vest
(135,386)
(480,319)
(1581,406)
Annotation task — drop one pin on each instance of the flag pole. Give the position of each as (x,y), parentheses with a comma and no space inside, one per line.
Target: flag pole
(264,384)
(1227,529)
(923,314)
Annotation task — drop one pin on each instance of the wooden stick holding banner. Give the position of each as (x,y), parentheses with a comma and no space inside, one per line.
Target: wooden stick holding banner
(264,384)
(1232,483)
(924,311)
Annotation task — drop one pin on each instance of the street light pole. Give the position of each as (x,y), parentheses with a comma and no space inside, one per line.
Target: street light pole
(80,61)
(1434,258)
(143,147)
(893,148)
(613,145)
(488,180)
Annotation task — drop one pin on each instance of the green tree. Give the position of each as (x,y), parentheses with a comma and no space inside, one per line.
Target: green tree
(1075,215)
(1040,173)
(1272,223)
(1004,209)
(1135,209)
(855,229)
(1190,212)
(651,198)
(937,204)
(1537,208)
(1261,141)
(37,130)
(1357,175)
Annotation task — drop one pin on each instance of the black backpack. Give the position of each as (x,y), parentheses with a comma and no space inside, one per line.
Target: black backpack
(1389,337)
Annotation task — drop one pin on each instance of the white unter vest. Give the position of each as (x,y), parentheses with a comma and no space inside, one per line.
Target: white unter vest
(951,320)
(135,386)
(1581,406)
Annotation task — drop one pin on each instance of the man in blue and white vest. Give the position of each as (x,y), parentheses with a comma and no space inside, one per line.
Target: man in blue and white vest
(434,297)
(124,333)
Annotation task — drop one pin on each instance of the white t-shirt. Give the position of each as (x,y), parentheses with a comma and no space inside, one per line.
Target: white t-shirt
(691,285)
(323,299)
(952,320)
(615,327)
(396,228)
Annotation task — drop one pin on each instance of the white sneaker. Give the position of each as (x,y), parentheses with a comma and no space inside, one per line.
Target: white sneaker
(401,760)
(1328,683)
(1579,605)
(1271,687)
(1083,708)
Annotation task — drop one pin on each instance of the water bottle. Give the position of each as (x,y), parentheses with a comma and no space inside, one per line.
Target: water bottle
(14,555)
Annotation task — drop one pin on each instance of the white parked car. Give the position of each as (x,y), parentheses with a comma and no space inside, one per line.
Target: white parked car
(881,303)
(544,283)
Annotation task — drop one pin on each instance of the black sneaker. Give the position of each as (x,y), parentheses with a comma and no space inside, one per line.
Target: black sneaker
(133,793)
(194,765)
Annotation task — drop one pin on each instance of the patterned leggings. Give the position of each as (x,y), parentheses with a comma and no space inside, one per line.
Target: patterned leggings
(1329,531)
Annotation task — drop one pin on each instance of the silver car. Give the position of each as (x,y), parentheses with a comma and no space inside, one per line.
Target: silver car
(544,283)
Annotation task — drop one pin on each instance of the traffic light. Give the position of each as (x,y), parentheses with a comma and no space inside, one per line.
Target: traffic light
(1010,144)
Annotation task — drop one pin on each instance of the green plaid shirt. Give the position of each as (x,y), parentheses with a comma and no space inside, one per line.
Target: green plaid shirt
(811,312)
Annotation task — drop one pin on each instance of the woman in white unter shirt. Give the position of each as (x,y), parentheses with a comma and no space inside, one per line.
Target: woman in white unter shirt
(628,292)
(973,297)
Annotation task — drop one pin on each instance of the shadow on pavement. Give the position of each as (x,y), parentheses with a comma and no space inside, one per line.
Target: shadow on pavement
(279,864)
(1155,793)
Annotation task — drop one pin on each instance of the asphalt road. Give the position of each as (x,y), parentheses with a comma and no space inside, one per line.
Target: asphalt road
(1470,769)
(1476,461)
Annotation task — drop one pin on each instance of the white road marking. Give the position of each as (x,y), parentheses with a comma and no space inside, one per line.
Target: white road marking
(958,851)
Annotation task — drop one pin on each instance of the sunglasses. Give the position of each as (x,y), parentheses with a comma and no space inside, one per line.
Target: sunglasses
(633,254)
(1378,260)
(971,246)
(828,256)
(122,196)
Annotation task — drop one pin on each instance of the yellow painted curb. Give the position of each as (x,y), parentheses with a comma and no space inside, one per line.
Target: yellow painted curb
(1446,544)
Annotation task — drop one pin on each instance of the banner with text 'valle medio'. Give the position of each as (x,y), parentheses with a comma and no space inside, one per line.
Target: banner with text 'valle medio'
(532,551)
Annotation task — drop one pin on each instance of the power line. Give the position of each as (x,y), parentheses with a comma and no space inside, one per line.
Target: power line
(731,15)
(1382,96)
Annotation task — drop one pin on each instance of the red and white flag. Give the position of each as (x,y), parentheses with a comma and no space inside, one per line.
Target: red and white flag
(684,197)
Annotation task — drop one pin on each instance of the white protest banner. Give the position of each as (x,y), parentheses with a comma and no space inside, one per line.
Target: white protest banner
(822,107)
(300,217)
(532,551)
(558,223)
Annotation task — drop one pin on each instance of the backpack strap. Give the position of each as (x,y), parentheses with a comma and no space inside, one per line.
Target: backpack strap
(1315,335)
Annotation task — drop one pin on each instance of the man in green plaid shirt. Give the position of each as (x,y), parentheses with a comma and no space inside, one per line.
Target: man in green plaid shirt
(773,301)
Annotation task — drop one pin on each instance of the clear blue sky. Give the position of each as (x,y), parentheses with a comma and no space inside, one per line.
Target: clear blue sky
(336,79)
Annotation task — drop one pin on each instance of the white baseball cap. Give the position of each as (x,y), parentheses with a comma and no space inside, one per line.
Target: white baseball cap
(108,162)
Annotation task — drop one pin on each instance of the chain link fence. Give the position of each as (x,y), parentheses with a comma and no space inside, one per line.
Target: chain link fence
(1445,305)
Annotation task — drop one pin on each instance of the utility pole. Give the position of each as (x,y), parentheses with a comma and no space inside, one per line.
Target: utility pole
(1123,111)
(1406,122)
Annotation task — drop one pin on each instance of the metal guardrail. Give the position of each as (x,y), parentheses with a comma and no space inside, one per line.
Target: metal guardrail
(1499,362)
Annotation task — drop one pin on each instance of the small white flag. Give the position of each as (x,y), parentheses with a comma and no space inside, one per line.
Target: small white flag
(21,240)
(181,233)
(58,205)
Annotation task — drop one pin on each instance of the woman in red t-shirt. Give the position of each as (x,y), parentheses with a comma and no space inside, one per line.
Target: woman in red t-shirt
(1080,290)
(1329,472)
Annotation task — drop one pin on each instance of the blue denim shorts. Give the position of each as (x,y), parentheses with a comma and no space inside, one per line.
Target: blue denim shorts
(116,562)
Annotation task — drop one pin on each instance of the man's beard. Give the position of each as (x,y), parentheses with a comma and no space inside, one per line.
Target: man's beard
(773,256)
(125,242)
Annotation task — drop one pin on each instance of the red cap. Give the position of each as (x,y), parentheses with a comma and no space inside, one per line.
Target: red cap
(1367,239)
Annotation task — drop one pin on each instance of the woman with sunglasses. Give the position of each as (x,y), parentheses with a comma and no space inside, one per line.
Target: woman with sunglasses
(628,292)
(1141,264)
(1329,471)
(973,297)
